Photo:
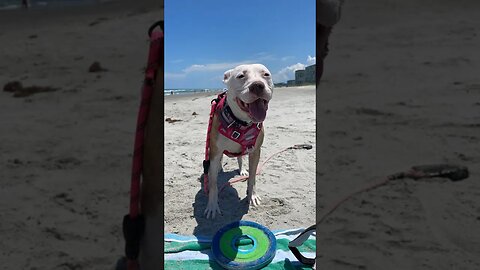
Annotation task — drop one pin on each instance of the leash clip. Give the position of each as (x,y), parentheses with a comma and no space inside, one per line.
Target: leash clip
(157,24)
(452,172)
(206,166)
(249,149)
(302,146)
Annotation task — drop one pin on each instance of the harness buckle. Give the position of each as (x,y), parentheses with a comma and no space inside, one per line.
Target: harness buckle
(235,134)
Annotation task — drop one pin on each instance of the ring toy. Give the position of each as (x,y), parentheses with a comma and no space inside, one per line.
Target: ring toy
(244,245)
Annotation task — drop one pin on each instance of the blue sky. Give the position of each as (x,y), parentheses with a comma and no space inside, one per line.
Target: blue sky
(204,38)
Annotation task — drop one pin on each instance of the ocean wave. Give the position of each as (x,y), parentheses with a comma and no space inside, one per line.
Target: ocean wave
(188,91)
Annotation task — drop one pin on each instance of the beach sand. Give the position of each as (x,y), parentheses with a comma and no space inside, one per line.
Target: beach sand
(66,155)
(400,88)
(286,185)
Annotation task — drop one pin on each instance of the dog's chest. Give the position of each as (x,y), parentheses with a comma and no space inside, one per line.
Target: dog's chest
(226,144)
(243,136)
(235,137)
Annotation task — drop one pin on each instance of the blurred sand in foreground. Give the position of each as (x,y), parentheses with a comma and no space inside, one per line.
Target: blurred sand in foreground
(66,155)
(401,88)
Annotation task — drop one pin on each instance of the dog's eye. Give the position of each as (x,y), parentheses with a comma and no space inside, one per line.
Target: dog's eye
(266,74)
(240,76)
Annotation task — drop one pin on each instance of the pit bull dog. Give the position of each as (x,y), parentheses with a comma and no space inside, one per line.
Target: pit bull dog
(237,127)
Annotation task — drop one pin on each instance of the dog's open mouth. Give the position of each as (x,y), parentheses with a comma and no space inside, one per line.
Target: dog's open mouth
(257,110)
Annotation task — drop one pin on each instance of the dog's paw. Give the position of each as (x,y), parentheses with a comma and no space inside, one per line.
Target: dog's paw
(211,210)
(254,200)
(244,172)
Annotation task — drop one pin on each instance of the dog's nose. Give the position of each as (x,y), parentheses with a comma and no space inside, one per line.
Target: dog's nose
(257,88)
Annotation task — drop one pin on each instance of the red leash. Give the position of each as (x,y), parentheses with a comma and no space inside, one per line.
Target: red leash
(156,44)
(206,162)
(134,223)
(452,172)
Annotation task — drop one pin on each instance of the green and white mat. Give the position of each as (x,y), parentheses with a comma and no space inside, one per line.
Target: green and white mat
(191,252)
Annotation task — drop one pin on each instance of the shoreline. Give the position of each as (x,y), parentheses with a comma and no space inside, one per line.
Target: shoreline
(213,94)
(209,93)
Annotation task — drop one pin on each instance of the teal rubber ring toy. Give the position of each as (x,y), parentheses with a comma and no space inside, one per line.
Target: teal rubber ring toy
(244,245)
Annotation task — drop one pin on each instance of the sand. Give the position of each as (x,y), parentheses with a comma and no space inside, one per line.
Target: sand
(66,155)
(286,184)
(401,88)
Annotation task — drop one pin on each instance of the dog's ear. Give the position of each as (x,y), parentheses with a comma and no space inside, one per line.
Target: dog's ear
(227,75)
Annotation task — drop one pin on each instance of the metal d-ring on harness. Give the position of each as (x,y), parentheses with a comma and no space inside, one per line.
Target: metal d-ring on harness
(134,223)
(452,172)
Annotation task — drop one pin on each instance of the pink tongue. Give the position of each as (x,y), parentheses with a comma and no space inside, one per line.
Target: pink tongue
(258,110)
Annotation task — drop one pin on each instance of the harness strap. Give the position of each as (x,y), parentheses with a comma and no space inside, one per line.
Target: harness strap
(228,114)
(133,223)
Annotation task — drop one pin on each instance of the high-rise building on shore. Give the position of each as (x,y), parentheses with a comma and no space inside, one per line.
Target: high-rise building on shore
(302,77)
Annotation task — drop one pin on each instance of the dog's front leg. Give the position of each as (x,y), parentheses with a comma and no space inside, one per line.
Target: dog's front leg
(221,164)
(253,159)
(243,171)
(212,205)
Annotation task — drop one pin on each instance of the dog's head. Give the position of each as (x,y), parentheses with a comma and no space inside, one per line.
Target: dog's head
(250,88)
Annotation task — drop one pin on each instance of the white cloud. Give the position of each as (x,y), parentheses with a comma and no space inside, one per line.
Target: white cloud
(287,73)
(311,60)
(214,67)
(263,56)
(224,66)
(169,75)
(203,68)
(285,58)
(176,61)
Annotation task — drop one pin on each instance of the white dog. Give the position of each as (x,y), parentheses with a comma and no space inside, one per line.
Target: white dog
(237,127)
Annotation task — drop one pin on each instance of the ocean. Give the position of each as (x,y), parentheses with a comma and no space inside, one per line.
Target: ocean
(189,91)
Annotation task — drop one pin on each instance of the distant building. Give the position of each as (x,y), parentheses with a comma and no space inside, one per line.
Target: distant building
(300,77)
(310,74)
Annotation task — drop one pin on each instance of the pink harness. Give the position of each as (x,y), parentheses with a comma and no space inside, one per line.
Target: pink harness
(236,130)
(241,132)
